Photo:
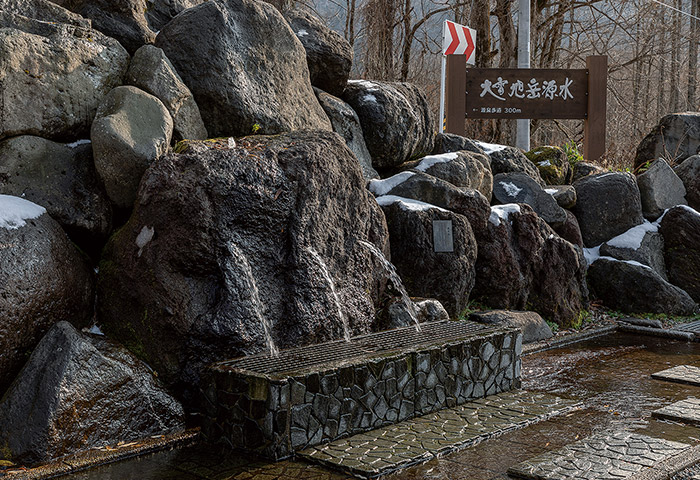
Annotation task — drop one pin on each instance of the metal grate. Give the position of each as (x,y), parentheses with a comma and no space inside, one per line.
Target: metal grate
(689,327)
(338,351)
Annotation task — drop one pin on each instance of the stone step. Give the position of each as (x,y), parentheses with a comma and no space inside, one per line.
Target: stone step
(306,396)
(600,457)
(415,441)
(684,411)
(687,374)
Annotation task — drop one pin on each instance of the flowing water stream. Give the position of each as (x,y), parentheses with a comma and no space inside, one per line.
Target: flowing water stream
(331,285)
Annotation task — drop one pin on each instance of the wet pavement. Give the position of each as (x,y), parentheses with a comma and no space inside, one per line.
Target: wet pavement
(611,375)
(681,374)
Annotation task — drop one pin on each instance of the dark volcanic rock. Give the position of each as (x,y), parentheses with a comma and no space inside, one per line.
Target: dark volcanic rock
(447,275)
(633,288)
(680,228)
(80,391)
(565,195)
(606,206)
(160,12)
(396,119)
(675,138)
(583,169)
(245,67)
(61,178)
(510,160)
(328,54)
(45,11)
(44,280)
(449,142)
(532,325)
(649,251)
(689,173)
(569,230)
(660,189)
(523,264)
(518,187)
(225,241)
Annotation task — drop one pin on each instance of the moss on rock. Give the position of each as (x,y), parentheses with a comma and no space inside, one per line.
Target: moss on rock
(553,164)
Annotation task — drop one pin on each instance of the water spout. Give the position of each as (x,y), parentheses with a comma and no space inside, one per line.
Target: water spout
(391,271)
(331,284)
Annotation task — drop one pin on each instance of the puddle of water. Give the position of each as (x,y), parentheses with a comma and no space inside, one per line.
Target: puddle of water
(609,374)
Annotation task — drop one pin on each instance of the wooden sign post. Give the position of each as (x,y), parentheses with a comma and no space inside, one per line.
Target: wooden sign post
(530,93)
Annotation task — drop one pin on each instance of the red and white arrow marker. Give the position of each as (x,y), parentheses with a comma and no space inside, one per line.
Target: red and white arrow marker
(458,40)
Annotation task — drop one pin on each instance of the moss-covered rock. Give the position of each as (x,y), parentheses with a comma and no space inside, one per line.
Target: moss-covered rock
(553,164)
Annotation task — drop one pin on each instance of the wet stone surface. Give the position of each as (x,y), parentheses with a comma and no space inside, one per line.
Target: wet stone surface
(681,374)
(685,411)
(419,440)
(599,457)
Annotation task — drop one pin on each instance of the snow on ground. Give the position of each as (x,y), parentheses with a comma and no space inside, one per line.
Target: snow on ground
(382,187)
(407,204)
(15,211)
(490,148)
(502,212)
(430,160)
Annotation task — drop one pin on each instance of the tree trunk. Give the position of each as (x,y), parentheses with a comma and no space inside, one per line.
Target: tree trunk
(693,56)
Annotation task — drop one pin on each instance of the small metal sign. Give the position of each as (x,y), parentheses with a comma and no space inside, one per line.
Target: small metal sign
(442,236)
(526,93)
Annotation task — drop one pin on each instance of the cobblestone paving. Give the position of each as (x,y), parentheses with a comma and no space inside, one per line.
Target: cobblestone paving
(686,411)
(680,374)
(388,449)
(600,457)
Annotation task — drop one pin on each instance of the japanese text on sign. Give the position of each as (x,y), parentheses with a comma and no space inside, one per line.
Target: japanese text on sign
(549,89)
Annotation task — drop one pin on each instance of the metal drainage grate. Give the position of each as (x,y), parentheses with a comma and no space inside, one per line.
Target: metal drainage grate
(689,327)
(374,343)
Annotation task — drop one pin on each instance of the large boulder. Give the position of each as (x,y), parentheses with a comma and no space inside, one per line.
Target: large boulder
(232,251)
(396,119)
(444,269)
(44,280)
(635,288)
(518,187)
(532,325)
(62,178)
(44,10)
(583,169)
(53,76)
(660,189)
(680,228)
(124,20)
(509,160)
(245,67)
(77,392)
(570,230)
(328,54)
(462,169)
(643,244)
(434,191)
(564,195)
(160,12)
(607,205)
(689,173)
(675,138)
(553,164)
(522,264)
(151,71)
(346,123)
(131,130)
(449,142)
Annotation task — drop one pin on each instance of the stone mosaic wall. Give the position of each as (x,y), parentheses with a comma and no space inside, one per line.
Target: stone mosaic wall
(277,416)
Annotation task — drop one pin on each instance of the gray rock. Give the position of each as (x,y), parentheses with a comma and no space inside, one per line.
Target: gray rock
(124,20)
(553,164)
(675,138)
(570,230)
(689,173)
(607,205)
(680,228)
(131,130)
(434,191)
(564,195)
(78,392)
(346,123)
(446,276)
(583,169)
(61,178)
(396,119)
(431,310)
(223,239)
(510,160)
(462,169)
(532,325)
(53,77)
(44,280)
(160,12)
(633,288)
(328,54)
(643,322)
(151,71)
(449,142)
(522,264)
(45,11)
(649,253)
(518,187)
(660,189)
(245,67)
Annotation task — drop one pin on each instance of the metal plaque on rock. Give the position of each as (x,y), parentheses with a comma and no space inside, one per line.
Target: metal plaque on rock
(442,236)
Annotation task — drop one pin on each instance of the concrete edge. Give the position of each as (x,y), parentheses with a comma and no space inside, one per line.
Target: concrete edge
(97,457)
(665,469)
(658,332)
(545,345)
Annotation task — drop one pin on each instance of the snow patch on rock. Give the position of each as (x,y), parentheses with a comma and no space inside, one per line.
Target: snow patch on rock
(430,160)
(490,148)
(502,212)
(633,237)
(144,236)
(382,187)
(511,189)
(15,211)
(407,204)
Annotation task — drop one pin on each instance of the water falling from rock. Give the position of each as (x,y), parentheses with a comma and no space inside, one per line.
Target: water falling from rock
(331,284)
(391,270)
(252,287)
